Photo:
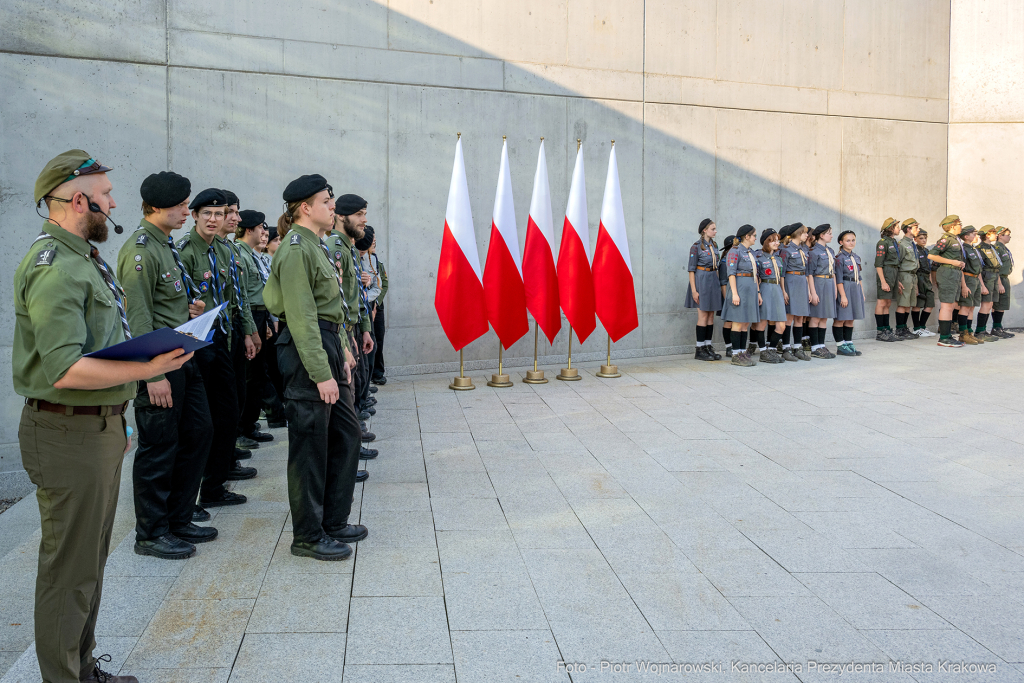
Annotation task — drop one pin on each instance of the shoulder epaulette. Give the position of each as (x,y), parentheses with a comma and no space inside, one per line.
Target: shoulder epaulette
(45,257)
(141,240)
(295,239)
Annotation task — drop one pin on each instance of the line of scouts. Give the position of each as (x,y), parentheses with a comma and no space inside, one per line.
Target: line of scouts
(191,409)
(775,302)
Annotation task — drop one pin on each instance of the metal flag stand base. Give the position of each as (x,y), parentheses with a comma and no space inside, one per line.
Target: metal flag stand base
(569,374)
(609,371)
(500,380)
(535,376)
(461,383)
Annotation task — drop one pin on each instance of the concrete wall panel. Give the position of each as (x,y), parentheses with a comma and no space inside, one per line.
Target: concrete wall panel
(606,35)
(986,76)
(682,37)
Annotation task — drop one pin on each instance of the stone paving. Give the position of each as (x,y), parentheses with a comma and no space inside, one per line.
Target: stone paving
(845,511)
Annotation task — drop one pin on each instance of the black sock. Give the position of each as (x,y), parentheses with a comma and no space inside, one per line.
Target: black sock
(982,322)
(837,333)
(916,317)
(785,335)
(848,334)
(774,337)
(807,331)
(880,321)
(961,321)
(709,332)
(700,335)
(901,319)
(997,319)
(924,317)
(737,340)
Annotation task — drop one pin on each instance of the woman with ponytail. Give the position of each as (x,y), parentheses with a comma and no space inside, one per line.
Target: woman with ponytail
(821,285)
(704,292)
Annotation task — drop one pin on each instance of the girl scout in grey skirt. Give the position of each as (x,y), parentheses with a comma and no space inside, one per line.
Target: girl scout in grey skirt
(743,299)
(850,301)
(723,280)
(704,292)
(773,298)
(794,256)
(821,287)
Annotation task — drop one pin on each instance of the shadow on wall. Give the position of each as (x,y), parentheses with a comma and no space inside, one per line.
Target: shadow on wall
(250,113)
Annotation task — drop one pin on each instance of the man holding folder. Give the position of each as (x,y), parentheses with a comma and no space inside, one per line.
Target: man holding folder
(175,429)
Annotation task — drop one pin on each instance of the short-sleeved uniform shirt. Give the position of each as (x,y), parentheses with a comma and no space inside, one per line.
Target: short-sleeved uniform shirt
(740,260)
(795,256)
(887,253)
(848,267)
(908,255)
(821,261)
(63,309)
(1006,256)
(947,276)
(769,266)
(704,255)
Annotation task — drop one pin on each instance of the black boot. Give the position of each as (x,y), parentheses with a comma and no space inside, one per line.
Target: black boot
(325,549)
(166,547)
(194,533)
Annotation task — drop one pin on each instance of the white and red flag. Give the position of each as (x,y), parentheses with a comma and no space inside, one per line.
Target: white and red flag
(575,282)
(614,299)
(539,274)
(459,297)
(504,294)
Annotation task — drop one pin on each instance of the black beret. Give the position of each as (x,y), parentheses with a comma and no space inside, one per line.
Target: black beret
(787,230)
(703,224)
(844,233)
(824,227)
(208,197)
(272,233)
(348,204)
(729,241)
(251,219)
(744,231)
(231,197)
(766,233)
(306,186)
(165,189)
(364,242)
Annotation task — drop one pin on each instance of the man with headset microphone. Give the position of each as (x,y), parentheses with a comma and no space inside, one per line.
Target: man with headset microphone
(72,434)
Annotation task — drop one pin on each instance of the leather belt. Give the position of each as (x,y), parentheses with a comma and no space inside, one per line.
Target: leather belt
(39,404)
(258,307)
(991,270)
(710,270)
(744,275)
(824,277)
(770,282)
(970,274)
(794,272)
(856,282)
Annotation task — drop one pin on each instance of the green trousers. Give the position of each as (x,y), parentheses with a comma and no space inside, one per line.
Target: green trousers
(75,461)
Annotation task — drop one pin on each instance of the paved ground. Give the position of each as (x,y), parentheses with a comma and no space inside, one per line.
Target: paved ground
(846,511)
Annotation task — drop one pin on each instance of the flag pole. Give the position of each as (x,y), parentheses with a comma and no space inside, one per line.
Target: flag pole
(569,374)
(535,376)
(609,371)
(500,380)
(461,383)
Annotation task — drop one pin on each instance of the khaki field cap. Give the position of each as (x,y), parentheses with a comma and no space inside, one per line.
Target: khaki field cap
(888,223)
(985,229)
(1002,229)
(64,167)
(910,221)
(950,220)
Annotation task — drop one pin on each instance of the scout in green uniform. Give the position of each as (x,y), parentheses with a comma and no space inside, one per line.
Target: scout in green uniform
(208,263)
(973,289)
(304,292)
(991,264)
(251,231)
(377,376)
(67,303)
(171,409)
(887,261)
(949,278)
(925,287)
(1002,302)
(906,285)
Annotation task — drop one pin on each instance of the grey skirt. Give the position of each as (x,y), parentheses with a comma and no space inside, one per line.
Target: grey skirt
(773,304)
(799,302)
(709,288)
(747,311)
(826,289)
(855,308)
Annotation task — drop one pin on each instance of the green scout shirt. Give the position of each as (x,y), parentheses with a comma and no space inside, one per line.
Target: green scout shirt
(990,257)
(383,280)
(243,313)
(341,248)
(908,255)
(886,253)
(157,296)
(63,310)
(193,250)
(948,247)
(973,260)
(1004,253)
(253,281)
(303,287)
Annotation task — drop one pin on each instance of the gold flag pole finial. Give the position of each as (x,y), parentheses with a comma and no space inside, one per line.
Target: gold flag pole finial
(504,139)
(535,376)
(459,135)
(569,373)
(579,143)
(613,143)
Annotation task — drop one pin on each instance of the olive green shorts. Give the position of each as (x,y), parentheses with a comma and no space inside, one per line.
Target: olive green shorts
(973,298)
(925,293)
(1002,301)
(908,297)
(890,279)
(948,279)
(990,284)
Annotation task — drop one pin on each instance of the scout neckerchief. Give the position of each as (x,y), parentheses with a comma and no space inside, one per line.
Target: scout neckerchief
(995,252)
(713,250)
(896,244)
(233,271)
(190,286)
(753,263)
(218,289)
(260,266)
(775,266)
(364,302)
(856,270)
(341,290)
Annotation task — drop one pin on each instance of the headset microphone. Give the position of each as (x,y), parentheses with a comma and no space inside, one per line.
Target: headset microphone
(95,208)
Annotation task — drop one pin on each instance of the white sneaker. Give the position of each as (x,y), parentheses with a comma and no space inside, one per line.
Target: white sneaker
(921,332)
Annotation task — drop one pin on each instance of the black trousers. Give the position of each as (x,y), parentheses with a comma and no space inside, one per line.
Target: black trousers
(361,375)
(217,368)
(273,391)
(173,446)
(255,377)
(240,365)
(378,337)
(323,443)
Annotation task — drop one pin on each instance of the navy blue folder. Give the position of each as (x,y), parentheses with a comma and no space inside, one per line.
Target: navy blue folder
(151,345)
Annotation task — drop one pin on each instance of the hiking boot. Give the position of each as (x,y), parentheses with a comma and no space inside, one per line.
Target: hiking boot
(712,354)
(967,338)
(950,342)
(1003,333)
(100,676)
(885,336)
(728,351)
(984,336)
(801,353)
(753,353)
(742,359)
(846,350)
(854,348)
(700,353)
(905,333)
(770,355)
(787,354)
(805,344)
(821,352)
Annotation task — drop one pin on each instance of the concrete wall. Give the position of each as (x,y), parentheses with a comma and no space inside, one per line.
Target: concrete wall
(759,111)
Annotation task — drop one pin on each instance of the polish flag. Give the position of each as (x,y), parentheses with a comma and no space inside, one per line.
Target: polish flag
(539,255)
(575,282)
(459,297)
(504,293)
(614,298)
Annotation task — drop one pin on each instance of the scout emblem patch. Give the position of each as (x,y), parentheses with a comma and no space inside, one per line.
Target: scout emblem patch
(45,257)
(138,257)
(207,275)
(142,239)
(295,239)
(203,286)
(138,267)
(177,285)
